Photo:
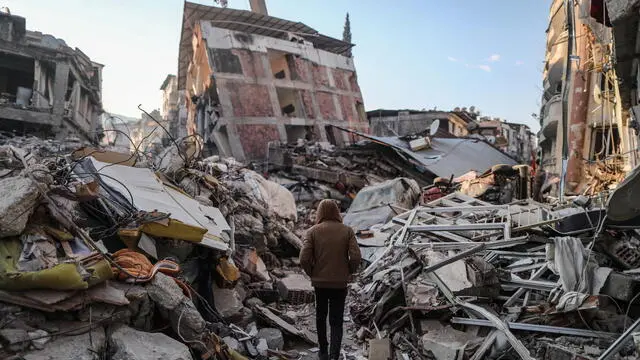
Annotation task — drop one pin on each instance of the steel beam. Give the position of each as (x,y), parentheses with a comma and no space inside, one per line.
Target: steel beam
(538,328)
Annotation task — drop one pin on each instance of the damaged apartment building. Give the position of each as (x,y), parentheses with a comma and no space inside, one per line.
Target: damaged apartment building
(46,87)
(600,138)
(251,80)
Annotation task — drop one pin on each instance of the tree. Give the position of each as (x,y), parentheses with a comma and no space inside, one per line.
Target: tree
(346,34)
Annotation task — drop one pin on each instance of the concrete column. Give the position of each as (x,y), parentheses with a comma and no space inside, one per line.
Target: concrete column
(234,142)
(336,103)
(332,82)
(60,88)
(578,106)
(258,6)
(282,131)
(275,103)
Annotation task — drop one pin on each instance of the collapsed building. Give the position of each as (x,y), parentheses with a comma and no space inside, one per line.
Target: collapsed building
(250,80)
(600,141)
(46,87)
(516,140)
(408,122)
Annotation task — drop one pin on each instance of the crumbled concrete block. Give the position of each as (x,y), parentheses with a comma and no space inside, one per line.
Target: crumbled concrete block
(131,344)
(14,340)
(186,319)
(447,343)
(557,352)
(252,329)
(430,325)
(379,349)
(164,291)
(296,289)
(18,196)
(251,302)
(620,286)
(140,307)
(274,338)
(233,344)
(262,347)
(227,302)
(39,338)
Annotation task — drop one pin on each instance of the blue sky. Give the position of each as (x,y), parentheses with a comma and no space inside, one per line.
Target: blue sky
(409,53)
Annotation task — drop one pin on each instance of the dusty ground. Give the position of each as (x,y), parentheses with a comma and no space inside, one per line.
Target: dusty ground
(306,319)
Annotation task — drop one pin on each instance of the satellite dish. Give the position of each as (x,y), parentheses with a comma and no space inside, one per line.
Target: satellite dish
(597,95)
(435,125)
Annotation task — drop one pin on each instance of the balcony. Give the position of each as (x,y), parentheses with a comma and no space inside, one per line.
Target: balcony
(551,117)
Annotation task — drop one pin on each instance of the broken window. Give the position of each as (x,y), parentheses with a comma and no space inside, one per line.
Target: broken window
(605,141)
(16,78)
(296,132)
(290,102)
(334,135)
(283,65)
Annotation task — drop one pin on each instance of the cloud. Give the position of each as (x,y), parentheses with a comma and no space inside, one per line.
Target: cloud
(452,59)
(494,58)
(486,68)
(519,62)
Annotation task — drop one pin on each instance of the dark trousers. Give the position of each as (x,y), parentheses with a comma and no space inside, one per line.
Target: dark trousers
(330,302)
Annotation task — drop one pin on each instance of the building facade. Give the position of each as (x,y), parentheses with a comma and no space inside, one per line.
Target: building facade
(118,130)
(170,110)
(624,17)
(46,87)
(249,80)
(597,132)
(516,140)
(408,122)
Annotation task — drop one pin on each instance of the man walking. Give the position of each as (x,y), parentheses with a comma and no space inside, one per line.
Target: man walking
(330,256)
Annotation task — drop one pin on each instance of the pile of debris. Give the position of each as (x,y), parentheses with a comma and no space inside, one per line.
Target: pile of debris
(114,256)
(107,255)
(462,278)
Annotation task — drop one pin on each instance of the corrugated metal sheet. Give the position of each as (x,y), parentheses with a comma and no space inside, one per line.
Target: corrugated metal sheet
(446,157)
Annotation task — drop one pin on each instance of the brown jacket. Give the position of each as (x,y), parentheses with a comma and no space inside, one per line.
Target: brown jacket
(330,253)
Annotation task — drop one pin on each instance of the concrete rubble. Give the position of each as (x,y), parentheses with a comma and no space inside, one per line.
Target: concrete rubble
(102,263)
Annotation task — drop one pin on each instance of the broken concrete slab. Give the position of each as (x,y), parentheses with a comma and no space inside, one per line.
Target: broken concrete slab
(233,344)
(253,264)
(262,347)
(251,302)
(379,349)
(273,319)
(18,197)
(39,338)
(296,289)
(87,346)
(14,340)
(620,286)
(274,338)
(447,343)
(227,301)
(140,307)
(164,291)
(187,321)
(130,344)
